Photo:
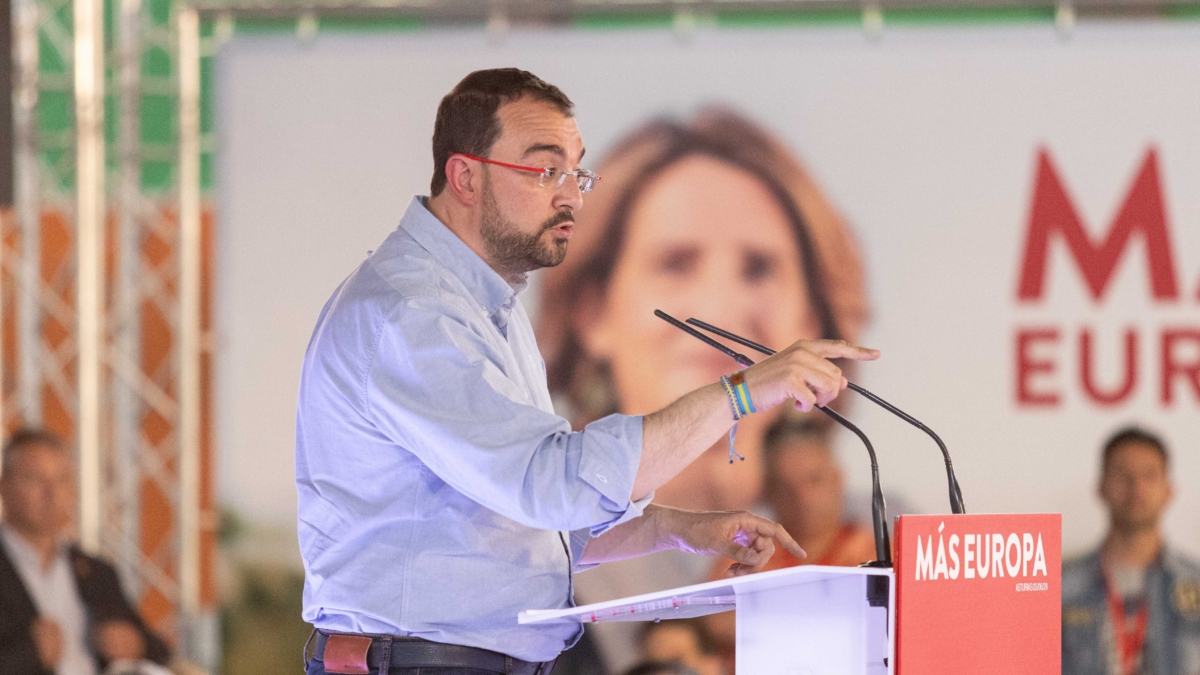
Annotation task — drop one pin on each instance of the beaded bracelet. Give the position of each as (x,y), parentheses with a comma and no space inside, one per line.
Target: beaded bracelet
(738,413)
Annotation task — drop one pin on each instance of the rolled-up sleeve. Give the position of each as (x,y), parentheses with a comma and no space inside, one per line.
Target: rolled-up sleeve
(436,386)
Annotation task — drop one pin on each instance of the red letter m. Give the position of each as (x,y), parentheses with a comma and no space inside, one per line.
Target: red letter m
(1053,212)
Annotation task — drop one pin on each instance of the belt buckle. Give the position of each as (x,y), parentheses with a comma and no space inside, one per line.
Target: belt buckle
(346,654)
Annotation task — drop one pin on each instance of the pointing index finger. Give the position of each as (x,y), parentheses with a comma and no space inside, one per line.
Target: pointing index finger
(838,349)
(775,531)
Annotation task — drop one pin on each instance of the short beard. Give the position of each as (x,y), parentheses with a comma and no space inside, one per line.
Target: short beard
(512,251)
(1128,525)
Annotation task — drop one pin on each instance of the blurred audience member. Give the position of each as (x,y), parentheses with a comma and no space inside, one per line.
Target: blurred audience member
(660,668)
(682,641)
(803,489)
(62,612)
(1132,607)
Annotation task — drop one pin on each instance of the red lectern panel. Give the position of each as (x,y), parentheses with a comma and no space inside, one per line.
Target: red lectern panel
(979,595)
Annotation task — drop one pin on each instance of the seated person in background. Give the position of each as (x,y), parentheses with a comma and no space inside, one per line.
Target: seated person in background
(683,642)
(1132,606)
(802,486)
(61,611)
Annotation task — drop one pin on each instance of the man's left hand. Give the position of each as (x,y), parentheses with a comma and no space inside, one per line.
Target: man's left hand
(742,536)
(119,641)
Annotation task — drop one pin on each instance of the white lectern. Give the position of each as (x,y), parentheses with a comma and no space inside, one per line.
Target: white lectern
(809,620)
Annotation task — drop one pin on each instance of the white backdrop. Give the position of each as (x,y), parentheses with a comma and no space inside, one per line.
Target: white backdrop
(926,139)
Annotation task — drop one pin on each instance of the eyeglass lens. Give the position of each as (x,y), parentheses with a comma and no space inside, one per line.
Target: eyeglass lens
(585,179)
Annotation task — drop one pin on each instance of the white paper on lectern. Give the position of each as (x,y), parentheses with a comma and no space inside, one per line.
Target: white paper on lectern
(798,621)
(690,601)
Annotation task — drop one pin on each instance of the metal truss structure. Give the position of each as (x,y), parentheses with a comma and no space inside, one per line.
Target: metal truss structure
(102,296)
(498,15)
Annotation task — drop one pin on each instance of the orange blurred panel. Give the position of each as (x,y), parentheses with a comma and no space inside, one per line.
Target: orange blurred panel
(157,611)
(156,251)
(156,338)
(209,523)
(155,427)
(56,243)
(54,333)
(56,416)
(157,515)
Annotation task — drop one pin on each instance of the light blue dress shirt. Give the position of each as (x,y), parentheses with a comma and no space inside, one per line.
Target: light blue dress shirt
(439,494)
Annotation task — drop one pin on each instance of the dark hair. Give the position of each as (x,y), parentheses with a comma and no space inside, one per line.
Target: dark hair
(788,427)
(27,437)
(1131,435)
(828,256)
(660,668)
(466,117)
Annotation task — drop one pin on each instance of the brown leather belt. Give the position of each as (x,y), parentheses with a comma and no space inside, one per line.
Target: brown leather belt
(353,654)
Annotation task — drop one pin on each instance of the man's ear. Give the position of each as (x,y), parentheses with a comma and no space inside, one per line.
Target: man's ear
(463,180)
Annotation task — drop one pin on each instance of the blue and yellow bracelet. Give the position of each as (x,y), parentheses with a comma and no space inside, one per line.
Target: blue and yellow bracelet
(742,393)
(739,401)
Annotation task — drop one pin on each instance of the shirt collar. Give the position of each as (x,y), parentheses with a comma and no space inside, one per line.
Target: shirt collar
(23,554)
(484,284)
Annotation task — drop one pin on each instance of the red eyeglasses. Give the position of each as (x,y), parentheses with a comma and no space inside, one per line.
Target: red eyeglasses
(547,176)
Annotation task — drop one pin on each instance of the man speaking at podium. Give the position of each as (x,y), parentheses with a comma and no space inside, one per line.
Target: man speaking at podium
(439,494)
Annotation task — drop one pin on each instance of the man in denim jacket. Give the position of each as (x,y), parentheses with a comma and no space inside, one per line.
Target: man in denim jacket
(1132,607)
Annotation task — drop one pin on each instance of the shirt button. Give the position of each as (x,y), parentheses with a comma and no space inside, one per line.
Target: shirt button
(601,477)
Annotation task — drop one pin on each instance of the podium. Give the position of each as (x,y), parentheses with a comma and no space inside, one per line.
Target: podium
(970,594)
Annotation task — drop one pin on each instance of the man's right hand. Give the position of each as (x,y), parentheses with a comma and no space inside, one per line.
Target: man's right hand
(47,636)
(802,372)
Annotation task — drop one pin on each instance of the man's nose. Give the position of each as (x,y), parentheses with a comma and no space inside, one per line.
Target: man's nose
(569,195)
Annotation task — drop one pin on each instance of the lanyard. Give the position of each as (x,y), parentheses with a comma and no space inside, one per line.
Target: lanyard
(1129,641)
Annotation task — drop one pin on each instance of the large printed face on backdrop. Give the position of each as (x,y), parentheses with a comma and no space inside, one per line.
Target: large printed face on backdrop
(710,219)
(708,240)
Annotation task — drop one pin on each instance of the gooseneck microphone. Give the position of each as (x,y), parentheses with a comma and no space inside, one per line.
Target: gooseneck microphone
(883,545)
(883,541)
(742,359)
(956,500)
